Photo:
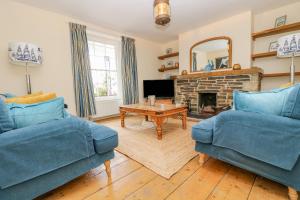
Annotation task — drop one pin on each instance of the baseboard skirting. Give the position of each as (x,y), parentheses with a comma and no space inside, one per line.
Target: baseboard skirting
(95,118)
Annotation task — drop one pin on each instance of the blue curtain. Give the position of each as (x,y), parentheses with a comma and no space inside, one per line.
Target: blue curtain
(129,72)
(83,84)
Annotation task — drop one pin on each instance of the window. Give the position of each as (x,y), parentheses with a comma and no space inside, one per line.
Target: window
(104,69)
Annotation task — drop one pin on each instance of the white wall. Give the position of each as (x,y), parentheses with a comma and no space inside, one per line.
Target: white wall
(238,28)
(51,32)
(264,21)
(163,48)
(148,64)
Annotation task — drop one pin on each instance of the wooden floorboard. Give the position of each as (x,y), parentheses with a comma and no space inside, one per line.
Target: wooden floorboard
(124,187)
(131,181)
(236,184)
(267,190)
(160,188)
(200,185)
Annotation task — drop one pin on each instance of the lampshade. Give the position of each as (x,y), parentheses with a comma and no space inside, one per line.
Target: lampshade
(162,12)
(289,46)
(24,53)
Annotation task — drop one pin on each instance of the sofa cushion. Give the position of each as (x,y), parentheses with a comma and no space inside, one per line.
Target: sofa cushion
(6,123)
(203,131)
(105,139)
(269,102)
(29,114)
(291,108)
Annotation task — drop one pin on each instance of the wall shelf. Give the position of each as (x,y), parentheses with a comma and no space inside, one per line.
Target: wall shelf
(168,56)
(264,55)
(279,74)
(278,30)
(168,68)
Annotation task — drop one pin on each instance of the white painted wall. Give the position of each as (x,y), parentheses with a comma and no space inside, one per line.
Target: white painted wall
(163,48)
(51,32)
(264,21)
(238,28)
(148,64)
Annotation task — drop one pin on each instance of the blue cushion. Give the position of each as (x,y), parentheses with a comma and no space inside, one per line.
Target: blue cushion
(292,106)
(105,139)
(203,131)
(6,123)
(29,114)
(269,102)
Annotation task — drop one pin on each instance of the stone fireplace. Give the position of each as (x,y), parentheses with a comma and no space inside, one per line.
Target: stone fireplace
(209,91)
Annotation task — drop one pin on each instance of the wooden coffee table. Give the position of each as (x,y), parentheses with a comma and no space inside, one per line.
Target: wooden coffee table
(157,114)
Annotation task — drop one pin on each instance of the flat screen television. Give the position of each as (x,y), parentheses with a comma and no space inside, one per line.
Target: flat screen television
(159,88)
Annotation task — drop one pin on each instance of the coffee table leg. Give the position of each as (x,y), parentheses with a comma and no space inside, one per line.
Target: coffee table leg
(122,115)
(184,115)
(158,122)
(146,118)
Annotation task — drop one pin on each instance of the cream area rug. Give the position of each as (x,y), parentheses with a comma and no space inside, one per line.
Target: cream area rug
(165,157)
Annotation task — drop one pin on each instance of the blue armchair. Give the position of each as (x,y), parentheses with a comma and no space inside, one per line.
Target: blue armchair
(39,158)
(262,142)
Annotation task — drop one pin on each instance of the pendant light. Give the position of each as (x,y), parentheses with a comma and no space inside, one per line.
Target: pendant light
(162,12)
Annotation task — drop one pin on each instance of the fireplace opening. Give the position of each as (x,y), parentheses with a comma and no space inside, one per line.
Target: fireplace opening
(207,103)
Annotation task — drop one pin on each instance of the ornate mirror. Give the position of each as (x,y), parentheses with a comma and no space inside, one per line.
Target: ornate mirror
(211,54)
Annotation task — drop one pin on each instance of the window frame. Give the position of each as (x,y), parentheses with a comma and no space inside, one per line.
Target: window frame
(116,42)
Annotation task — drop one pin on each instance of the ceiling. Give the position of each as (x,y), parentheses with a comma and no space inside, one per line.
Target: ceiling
(136,16)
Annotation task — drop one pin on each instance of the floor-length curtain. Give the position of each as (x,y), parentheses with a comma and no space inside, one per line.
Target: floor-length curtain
(83,84)
(129,72)
(194,62)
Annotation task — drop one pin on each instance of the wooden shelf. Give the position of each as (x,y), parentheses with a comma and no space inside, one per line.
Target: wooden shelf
(168,56)
(280,74)
(278,30)
(228,72)
(167,69)
(264,55)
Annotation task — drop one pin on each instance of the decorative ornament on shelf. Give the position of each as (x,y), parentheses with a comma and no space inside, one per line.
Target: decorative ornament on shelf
(236,67)
(273,46)
(210,66)
(162,68)
(280,21)
(162,12)
(169,51)
(184,72)
(289,47)
(25,54)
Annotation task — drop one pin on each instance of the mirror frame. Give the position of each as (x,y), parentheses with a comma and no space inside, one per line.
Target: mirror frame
(211,39)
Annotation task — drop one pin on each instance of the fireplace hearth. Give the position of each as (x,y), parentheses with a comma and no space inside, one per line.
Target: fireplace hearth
(207,102)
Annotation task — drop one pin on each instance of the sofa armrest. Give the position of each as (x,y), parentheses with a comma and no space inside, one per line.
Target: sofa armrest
(39,149)
(268,138)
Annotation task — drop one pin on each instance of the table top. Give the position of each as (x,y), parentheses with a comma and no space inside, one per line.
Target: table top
(155,108)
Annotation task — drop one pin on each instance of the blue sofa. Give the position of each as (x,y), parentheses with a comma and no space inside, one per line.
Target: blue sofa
(262,142)
(40,158)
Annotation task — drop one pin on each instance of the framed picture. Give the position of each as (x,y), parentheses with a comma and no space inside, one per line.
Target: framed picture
(280,21)
(273,46)
(222,62)
(169,50)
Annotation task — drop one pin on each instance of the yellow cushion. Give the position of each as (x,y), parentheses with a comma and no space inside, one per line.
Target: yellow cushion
(32,99)
(286,85)
(31,95)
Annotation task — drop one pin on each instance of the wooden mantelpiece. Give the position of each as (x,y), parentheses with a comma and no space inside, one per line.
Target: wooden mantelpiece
(252,70)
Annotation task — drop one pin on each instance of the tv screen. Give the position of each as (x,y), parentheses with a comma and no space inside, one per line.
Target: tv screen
(159,88)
